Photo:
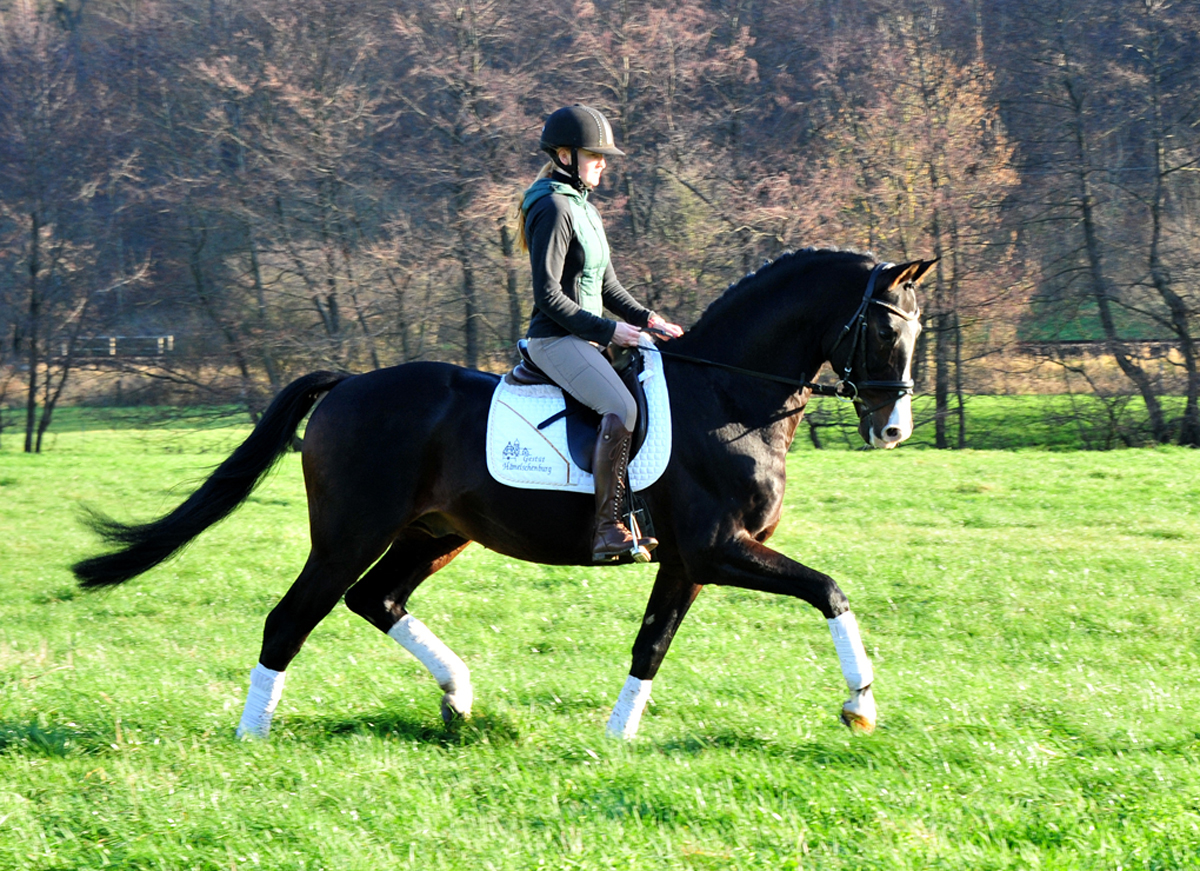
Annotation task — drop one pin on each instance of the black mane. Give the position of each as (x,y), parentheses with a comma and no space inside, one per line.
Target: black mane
(739,291)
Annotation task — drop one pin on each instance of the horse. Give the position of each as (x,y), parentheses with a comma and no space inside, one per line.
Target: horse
(397,483)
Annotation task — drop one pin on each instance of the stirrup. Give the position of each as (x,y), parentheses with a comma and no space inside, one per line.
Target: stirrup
(640,550)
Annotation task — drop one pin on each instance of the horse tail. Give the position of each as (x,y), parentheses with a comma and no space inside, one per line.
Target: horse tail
(145,545)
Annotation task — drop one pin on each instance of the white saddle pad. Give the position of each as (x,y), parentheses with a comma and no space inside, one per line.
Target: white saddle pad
(521,455)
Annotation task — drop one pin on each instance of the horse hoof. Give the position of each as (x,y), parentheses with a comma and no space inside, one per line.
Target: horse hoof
(245,734)
(858,724)
(456,706)
(859,712)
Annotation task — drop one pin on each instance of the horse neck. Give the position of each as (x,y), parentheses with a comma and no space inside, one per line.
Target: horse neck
(777,326)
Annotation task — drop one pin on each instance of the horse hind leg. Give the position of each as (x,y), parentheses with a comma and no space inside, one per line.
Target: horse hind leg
(309,600)
(380,599)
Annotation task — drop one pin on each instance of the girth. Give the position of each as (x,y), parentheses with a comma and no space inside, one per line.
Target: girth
(583,422)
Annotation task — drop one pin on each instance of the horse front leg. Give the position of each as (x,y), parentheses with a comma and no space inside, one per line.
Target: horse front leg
(670,599)
(748,564)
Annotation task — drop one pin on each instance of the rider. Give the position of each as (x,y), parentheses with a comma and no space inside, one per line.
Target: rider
(573,281)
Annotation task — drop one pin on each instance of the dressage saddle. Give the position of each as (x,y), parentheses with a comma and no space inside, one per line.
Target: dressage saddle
(583,422)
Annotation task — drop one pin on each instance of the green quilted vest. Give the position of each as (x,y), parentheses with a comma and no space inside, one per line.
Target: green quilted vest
(589,231)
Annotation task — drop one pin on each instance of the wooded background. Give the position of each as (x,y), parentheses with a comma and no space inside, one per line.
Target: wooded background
(201,199)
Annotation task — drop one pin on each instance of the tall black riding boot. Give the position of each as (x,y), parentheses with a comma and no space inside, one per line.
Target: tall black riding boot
(609,463)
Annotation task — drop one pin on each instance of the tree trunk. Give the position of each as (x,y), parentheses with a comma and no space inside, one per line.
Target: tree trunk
(35,304)
(944,338)
(1085,205)
(958,383)
(360,313)
(402,319)
(943,348)
(470,309)
(264,326)
(465,259)
(250,394)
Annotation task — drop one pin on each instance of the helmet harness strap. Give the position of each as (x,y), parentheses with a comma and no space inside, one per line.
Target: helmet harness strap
(571,169)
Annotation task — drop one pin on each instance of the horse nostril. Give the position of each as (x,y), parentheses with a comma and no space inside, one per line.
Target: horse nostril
(892,432)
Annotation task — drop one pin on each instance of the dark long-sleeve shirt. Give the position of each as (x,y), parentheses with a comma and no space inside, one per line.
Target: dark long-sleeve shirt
(557,259)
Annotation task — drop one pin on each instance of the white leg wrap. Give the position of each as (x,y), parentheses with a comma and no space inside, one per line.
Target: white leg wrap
(266,688)
(627,712)
(855,666)
(447,669)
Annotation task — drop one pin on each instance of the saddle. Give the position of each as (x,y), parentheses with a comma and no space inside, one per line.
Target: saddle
(583,422)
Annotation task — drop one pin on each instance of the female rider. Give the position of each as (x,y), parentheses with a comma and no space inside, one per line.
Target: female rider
(573,282)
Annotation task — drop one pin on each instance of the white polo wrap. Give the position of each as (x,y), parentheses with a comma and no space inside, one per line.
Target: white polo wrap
(627,712)
(266,689)
(447,669)
(855,665)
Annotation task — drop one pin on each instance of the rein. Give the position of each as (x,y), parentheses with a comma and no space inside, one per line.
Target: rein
(819,389)
(844,388)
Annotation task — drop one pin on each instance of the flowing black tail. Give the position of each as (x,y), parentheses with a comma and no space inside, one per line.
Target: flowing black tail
(146,545)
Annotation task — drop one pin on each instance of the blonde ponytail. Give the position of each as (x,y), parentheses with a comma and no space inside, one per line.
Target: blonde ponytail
(522,242)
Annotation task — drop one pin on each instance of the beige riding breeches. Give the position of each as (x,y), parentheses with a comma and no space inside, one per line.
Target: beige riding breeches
(578,367)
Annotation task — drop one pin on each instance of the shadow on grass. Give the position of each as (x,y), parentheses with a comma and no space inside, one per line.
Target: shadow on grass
(52,740)
(901,750)
(859,752)
(484,728)
(888,747)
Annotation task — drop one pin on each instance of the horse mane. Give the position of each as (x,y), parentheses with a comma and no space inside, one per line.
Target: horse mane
(736,294)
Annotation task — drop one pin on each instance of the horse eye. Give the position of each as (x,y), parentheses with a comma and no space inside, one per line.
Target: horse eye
(887,334)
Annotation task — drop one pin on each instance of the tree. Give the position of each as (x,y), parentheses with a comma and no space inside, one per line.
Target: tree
(1106,114)
(1164,37)
(465,70)
(656,69)
(918,161)
(53,169)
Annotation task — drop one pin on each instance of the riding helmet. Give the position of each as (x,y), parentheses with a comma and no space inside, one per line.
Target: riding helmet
(579,127)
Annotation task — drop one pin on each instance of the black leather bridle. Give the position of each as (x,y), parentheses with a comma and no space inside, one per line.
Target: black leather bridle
(857,328)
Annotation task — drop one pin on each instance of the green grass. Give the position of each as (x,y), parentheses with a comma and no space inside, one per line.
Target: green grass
(1031,615)
(1049,422)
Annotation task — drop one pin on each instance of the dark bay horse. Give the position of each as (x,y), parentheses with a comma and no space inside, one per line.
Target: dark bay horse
(398,484)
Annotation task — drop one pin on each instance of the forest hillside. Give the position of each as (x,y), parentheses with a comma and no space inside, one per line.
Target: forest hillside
(202,200)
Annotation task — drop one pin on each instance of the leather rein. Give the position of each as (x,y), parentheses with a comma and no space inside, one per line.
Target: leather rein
(844,388)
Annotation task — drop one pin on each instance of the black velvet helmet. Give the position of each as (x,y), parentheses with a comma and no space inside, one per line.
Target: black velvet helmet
(579,127)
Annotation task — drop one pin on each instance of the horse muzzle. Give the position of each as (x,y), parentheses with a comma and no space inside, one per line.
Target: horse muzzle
(888,425)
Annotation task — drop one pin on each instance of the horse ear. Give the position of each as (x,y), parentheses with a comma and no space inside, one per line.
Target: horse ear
(912,272)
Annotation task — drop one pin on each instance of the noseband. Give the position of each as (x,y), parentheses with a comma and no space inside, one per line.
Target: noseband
(857,328)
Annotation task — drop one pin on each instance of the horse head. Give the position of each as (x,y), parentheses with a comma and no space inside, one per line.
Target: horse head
(874,353)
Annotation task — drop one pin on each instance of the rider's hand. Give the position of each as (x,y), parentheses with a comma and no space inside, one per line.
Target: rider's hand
(664,328)
(626,335)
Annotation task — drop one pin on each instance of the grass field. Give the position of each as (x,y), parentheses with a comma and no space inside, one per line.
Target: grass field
(1031,616)
(1049,422)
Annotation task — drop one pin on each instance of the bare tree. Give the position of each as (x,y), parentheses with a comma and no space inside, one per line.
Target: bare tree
(466,69)
(52,165)
(1169,78)
(921,163)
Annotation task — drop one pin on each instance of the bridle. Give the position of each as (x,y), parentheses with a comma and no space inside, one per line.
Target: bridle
(857,327)
(844,388)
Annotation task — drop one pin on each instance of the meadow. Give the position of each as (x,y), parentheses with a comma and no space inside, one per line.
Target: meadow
(1031,615)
